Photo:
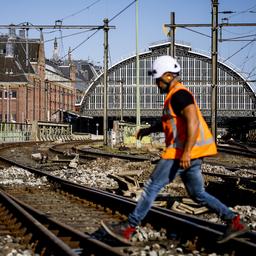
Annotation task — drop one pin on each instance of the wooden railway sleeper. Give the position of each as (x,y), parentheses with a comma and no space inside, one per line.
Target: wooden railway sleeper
(7,218)
(26,238)
(20,232)
(15,226)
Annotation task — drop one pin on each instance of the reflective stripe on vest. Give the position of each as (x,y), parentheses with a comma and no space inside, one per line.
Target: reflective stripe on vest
(179,144)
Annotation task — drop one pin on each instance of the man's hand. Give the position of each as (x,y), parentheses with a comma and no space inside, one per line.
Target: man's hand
(141,133)
(185,160)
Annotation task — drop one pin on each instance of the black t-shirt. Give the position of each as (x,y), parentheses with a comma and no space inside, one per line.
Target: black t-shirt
(180,100)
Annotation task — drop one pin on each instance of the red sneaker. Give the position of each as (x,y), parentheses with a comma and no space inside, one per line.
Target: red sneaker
(122,231)
(235,227)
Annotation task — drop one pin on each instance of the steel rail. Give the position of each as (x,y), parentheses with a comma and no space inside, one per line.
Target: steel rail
(93,154)
(248,182)
(172,222)
(108,154)
(45,239)
(201,222)
(59,151)
(236,151)
(87,244)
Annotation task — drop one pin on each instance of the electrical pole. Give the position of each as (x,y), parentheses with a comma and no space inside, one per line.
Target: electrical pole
(27,47)
(172,35)
(138,144)
(214,53)
(105,96)
(121,99)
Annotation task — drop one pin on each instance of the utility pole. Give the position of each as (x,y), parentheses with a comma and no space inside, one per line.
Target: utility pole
(27,47)
(105,95)
(121,100)
(172,51)
(214,53)
(138,144)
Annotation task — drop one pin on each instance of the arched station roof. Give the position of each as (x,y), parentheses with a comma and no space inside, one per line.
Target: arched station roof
(195,73)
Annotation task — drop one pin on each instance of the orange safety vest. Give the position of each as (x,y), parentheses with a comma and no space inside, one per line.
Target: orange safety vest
(175,129)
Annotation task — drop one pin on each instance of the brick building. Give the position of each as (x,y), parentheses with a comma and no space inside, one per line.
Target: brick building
(31,87)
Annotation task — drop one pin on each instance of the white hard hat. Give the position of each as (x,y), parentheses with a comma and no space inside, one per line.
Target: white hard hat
(164,64)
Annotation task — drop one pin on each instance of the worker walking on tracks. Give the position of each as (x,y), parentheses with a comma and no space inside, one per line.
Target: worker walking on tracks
(188,139)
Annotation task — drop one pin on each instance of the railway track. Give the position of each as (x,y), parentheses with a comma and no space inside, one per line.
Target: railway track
(237,149)
(184,228)
(45,235)
(92,153)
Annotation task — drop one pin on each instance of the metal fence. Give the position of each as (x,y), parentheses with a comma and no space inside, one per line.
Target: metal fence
(37,131)
(53,131)
(12,132)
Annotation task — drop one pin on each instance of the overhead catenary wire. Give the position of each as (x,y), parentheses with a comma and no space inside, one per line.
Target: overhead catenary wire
(250,41)
(221,25)
(74,14)
(129,5)
(238,33)
(73,34)
(197,32)
(80,44)
(247,58)
(241,12)
(242,38)
(237,40)
(115,16)
(27,24)
(250,74)
(78,12)
(238,37)
(238,51)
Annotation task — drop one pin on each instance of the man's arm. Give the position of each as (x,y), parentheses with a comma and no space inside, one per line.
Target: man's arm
(189,113)
(156,127)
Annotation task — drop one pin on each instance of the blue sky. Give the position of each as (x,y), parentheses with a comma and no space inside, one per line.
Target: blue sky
(152,16)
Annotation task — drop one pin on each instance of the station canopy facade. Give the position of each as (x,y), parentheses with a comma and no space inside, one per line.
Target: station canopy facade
(236,97)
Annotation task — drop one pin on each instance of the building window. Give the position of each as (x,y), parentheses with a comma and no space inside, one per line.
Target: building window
(13,94)
(13,117)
